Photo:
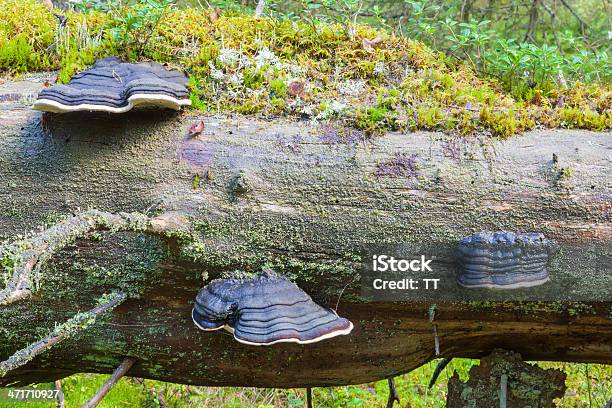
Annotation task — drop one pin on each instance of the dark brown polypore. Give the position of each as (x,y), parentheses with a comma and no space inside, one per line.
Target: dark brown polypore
(504,259)
(116,87)
(265,310)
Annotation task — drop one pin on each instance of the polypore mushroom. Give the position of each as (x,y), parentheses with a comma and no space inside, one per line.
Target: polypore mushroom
(116,87)
(504,260)
(265,310)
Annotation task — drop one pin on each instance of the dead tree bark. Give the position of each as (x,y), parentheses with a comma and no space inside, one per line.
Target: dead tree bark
(300,200)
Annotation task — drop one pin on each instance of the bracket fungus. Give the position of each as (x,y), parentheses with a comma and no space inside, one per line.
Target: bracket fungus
(117,87)
(265,310)
(504,260)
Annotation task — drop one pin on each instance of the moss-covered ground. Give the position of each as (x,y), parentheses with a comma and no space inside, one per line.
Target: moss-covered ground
(366,78)
(589,385)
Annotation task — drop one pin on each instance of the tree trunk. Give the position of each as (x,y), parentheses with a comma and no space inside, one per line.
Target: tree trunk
(299,200)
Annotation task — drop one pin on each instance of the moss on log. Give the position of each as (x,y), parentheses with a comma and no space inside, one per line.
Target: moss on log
(287,196)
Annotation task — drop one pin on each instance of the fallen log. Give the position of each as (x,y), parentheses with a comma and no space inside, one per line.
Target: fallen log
(301,200)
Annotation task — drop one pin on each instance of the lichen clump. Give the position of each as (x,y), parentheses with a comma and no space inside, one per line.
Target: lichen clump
(368,80)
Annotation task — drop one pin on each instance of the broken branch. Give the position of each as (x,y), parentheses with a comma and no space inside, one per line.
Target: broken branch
(441,365)
(119,372)
(78,323)
(393,395)
(41,247)
(432,316)
(503,391)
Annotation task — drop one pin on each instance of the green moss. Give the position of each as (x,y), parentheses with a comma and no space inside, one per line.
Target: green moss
(566,173)
(197,180)
(372,118)
(239,64)
(18,55)
(278,88)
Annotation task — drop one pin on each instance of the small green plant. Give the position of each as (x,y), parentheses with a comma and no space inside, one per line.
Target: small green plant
(278,88)
(134,26)
(420,22)
(85,6)
(469,38)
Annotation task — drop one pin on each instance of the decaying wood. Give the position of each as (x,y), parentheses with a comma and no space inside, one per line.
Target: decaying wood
(504,380)
(301,200)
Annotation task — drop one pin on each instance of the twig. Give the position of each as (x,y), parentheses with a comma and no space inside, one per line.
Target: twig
(533,20)
(553,18)
(432,316)
(393,395)
(436,339)
(441,365)
(309,397)
(119,372)
(342,292)
(503,391)
(43,245)
(588,381)
(77,324)
(61,402)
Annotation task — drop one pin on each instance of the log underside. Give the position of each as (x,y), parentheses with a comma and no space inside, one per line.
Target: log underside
(275,194)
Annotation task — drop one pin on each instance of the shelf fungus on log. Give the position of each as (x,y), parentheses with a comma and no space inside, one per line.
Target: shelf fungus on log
(116,87)
(265,310)
(504,260)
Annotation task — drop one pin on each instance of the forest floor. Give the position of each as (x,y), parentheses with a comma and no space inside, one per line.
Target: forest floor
(588,385)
